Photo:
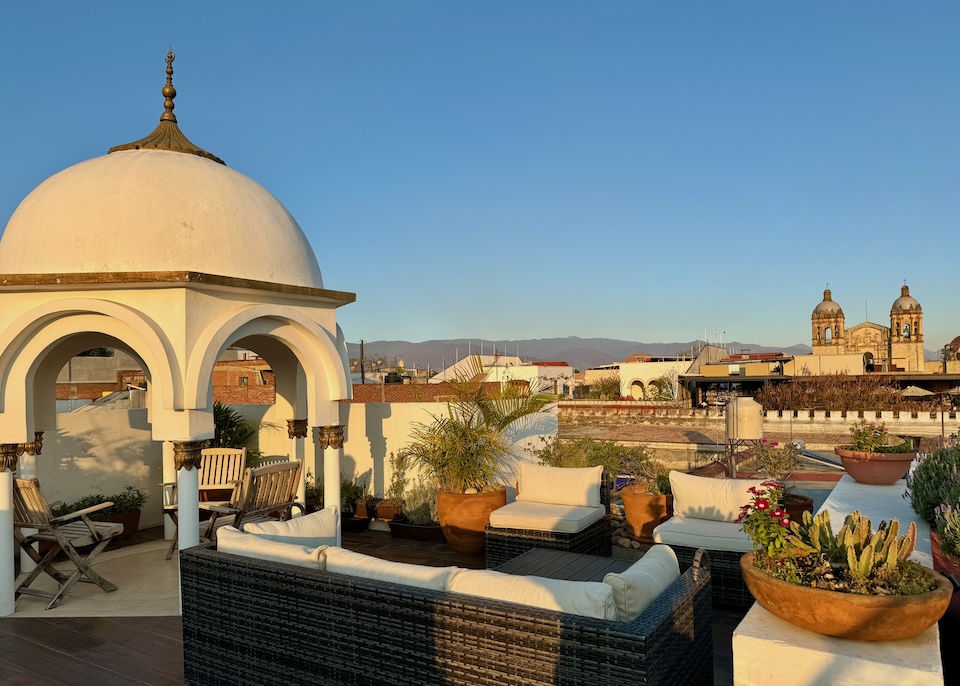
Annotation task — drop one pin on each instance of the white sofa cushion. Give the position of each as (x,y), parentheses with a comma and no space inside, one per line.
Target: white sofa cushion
(342,561)
(702,533)
(584,598)
(577,486)
(317,528)
(522,514)
(648,577)
(232,540)
(706,498)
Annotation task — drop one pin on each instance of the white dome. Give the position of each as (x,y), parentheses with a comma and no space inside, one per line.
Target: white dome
(155,211)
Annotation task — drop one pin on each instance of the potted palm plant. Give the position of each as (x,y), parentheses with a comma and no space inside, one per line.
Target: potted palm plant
(462,451)
(855,584)
(870,459)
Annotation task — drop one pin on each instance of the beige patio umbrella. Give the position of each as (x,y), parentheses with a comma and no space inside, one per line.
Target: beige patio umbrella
(916,392)
(953,391)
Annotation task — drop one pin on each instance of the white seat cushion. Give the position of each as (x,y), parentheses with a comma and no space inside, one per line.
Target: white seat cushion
(643,582)
(706,498)
(317,528)
(584,598)
(232,540)
(702,533)
(567,519)
(577,486)
(342,561)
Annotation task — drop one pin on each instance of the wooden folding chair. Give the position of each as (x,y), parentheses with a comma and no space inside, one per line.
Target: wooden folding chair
(267,492)
(66,533)
(221,471)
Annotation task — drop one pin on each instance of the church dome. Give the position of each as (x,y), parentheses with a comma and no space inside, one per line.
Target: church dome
(905,301)
(828,306)
(157,205)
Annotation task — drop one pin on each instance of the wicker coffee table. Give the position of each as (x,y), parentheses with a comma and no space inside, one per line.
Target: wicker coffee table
(557,564)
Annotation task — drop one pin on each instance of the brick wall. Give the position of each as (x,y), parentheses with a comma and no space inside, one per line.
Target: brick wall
(406,393)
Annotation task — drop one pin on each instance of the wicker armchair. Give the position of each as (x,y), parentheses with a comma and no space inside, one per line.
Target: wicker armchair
(507,542)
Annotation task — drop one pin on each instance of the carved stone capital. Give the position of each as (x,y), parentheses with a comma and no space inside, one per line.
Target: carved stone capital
(9,452)
(297,428)
(186,454)
(331,436)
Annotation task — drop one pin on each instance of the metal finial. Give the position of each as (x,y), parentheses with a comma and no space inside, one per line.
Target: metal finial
(167,136)
(169,92)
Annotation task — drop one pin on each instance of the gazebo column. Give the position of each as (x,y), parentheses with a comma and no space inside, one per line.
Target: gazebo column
(9,452)
(169,477)
(186,458)
(296,432)
(331,442)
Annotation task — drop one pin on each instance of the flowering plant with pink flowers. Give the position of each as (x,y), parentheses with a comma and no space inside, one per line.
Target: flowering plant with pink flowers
(764,520)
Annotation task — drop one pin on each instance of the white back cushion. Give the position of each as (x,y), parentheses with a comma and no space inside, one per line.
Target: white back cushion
(342,561)
(585,598)
(317,528)
(578,486)
(647,578)
(233,541)
(702,497)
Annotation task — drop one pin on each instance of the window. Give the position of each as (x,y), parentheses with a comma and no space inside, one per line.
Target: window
(244,380)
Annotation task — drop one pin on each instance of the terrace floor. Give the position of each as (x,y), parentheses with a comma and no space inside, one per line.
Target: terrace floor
(58,647)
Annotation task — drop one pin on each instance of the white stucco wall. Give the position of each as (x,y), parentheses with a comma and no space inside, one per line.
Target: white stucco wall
(99,452)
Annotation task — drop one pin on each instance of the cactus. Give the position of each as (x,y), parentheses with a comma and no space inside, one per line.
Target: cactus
(864,552)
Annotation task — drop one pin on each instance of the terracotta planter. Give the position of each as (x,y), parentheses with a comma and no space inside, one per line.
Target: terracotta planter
(945,564)
(131,523)
(796,505)
(388,511)
(463,517)
(645,511)
(875,469)
(848,615)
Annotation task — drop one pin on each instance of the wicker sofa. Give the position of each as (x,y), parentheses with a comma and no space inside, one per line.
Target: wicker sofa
(250,621)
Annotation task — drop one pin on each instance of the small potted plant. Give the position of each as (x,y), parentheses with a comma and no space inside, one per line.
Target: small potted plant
(419,518)
(857,584)
(352,490)
(313,492)
(870,459)
(125,509)
(647,500)
(779,462)
(391,506)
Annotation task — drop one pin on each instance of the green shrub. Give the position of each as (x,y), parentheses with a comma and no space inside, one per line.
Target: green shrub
(420,503)
(130,500)
(948,528)
(934,481)
(637,463)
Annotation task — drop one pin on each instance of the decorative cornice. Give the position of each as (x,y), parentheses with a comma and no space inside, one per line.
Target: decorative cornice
(169,280)
(186,454)
(331,436)
(167,135)
(297,428)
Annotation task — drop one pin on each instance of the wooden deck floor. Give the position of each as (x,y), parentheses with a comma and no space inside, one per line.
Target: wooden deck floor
(148,650)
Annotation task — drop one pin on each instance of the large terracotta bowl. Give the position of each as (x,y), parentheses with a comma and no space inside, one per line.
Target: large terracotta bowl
(848,615)
(464,517)
(875,469)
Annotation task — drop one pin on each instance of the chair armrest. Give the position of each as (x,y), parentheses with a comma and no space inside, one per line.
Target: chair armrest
(168,483)
(55,503)
(80,513)
(219,509)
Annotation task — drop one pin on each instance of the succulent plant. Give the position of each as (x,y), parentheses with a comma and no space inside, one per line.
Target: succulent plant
(864,552)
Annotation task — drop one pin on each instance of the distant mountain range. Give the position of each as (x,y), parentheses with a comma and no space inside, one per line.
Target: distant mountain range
(580,353)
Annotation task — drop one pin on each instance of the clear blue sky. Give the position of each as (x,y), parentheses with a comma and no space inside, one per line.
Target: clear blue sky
(527,169)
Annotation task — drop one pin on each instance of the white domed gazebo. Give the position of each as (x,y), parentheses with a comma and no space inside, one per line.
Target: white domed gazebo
(161,250)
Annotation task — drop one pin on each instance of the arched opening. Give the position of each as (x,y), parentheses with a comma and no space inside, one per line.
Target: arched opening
(828,334)
(637,390)
(906,330)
